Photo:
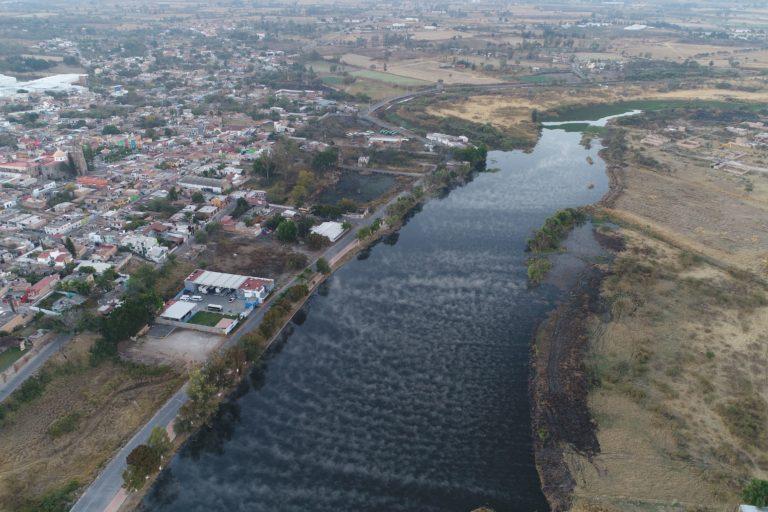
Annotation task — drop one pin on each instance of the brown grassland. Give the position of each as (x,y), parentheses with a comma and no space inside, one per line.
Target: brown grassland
(82,417)
(677,360)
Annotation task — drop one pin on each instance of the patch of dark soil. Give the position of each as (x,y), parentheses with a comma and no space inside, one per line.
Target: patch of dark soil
(559,388)
(610,240)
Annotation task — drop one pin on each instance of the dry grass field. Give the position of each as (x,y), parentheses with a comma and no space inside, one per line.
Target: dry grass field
(681,404)
(706,210)
(82,417)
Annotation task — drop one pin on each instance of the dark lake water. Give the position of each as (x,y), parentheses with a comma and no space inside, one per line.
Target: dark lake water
(403,384)
(360,188)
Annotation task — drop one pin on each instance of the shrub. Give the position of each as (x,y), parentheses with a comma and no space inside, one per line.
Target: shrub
(323,266)
(555,229)
(756,493)
(538,269)
(64,425)
(746,418)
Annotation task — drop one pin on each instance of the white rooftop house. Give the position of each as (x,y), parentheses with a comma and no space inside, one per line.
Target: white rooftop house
(451,141)
(179,311)
(330,230)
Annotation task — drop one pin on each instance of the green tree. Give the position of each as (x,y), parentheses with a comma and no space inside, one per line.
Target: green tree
(159,441)
(265,167)
(173,194)
(325,160)
(241,207)
(287,231)
(323,266)
(756,493)
(197,197)
(142,462)
(110,129)
(70,245)
(315,241)
(200,406)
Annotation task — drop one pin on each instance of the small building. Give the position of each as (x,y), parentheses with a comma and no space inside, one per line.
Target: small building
(386,140)
(178,311)
(215,185)
(330,230)
(41,288)
(450,141)
(104,252)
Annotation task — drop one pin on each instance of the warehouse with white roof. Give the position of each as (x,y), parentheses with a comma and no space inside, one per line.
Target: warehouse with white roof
(330,230)
(206,282)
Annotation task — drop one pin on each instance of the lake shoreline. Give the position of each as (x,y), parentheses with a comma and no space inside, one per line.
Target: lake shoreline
(559,383)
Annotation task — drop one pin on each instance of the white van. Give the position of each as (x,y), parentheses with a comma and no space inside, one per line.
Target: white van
(197,298)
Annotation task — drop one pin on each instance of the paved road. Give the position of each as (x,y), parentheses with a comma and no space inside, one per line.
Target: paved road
(381,171)
(103,489)
(33,365)
(100,493)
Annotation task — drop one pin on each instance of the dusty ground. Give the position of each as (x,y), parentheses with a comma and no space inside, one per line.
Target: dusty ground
(111,402)
(182,346)
(704,209)
(263,256)
(677,368)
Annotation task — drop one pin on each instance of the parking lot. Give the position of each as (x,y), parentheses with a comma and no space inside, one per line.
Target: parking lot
(229,308)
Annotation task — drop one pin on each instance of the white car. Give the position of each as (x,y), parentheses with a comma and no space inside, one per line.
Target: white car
(184,297)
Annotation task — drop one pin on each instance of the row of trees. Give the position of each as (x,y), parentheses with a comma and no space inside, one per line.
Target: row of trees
(555,229)
(223,370)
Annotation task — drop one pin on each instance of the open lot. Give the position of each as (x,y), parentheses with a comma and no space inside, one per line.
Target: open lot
(180,347)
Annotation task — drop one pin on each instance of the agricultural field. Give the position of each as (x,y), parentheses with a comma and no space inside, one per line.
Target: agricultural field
(426,69)
(389,78)
(708,210)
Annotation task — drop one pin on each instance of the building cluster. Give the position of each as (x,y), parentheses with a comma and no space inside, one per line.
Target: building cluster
(134,159)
